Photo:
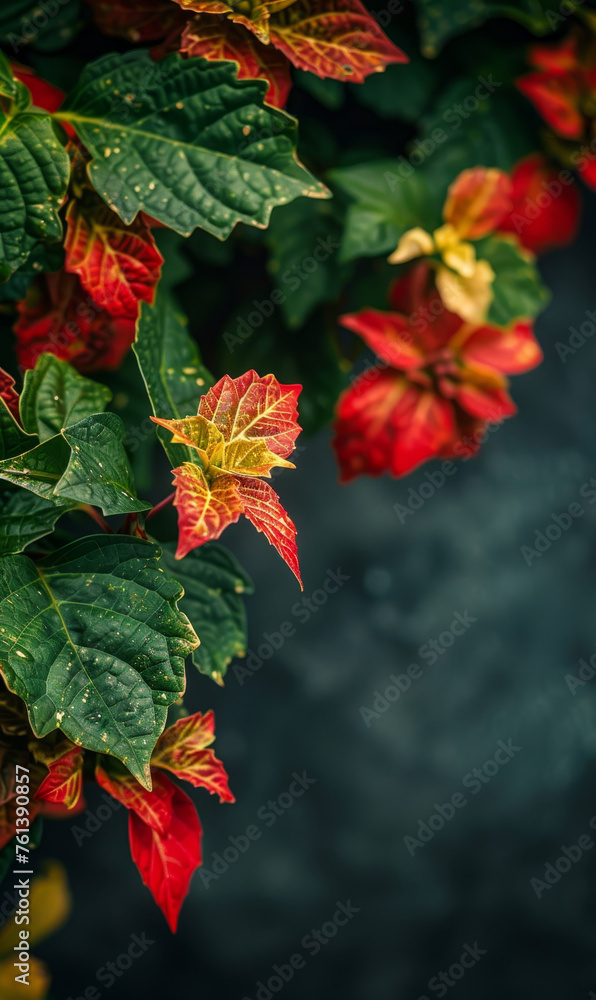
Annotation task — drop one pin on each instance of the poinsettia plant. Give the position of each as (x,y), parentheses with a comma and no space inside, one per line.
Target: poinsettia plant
(212,213)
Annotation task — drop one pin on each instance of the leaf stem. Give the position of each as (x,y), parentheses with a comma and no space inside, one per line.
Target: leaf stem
(97,517)
(160,506)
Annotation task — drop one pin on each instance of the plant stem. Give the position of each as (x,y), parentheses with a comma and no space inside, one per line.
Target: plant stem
(97,517)
(160,506)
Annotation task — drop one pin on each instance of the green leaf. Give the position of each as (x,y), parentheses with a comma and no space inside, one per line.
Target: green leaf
(214,584)
(191,145)
(386,198)
(304,240)
(99,471)
(171,367)
(44,257)
(25,517)
(34,173)
(399,91)
(38,469)
(8,84)
(440,20)
(13,439)
(93,642)
(517,289)
(55,395)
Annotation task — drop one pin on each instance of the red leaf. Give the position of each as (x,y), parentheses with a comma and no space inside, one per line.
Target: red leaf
(262,507)
(64,784)
(253,409)
(182,749)
(118,265)
(205,508)
(154,808)
(213,38)
(244,427)
(44,94)
(59,317)
(254,15)
(341,40)
(167,861)
(510,350)
(546,211)
(9,394)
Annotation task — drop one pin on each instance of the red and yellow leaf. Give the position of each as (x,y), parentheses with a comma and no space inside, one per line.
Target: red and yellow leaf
(198,433)
(167,861)
(118,265)
(262,507)
(59,317)
(205,508)
(341,40)
(477,201)
(154,808)
(215,38)
(182,750)
(64,784)
(258,418)
(251,14)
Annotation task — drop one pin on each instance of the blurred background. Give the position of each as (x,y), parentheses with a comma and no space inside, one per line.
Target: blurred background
(374,778)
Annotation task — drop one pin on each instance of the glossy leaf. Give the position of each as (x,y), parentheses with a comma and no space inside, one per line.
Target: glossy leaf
(170,364)
(118,265)
(185,159)
(25,517)
(55,395)
(341,40)
(216,39)
(182,749)
(64,783)
(168,861)
(92,640)
(214,588)
(39,469)
(518,291)
(99,471)
(34,172)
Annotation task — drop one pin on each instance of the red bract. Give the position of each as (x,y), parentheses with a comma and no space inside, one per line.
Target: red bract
(546,205)
(9,394)
(64,784)
(182,749)
(59,317)
(438,383)
(563,90)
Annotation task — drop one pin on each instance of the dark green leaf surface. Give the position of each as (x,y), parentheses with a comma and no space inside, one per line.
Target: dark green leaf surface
(171,367)
(34,172)
(39,469)
(92,640)
(214,587)
(304,240)
(190,144)
(99,471)
(13,439)
(25,517)
(55,395)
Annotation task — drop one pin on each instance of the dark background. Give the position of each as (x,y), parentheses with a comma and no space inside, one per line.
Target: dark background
(344,838)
